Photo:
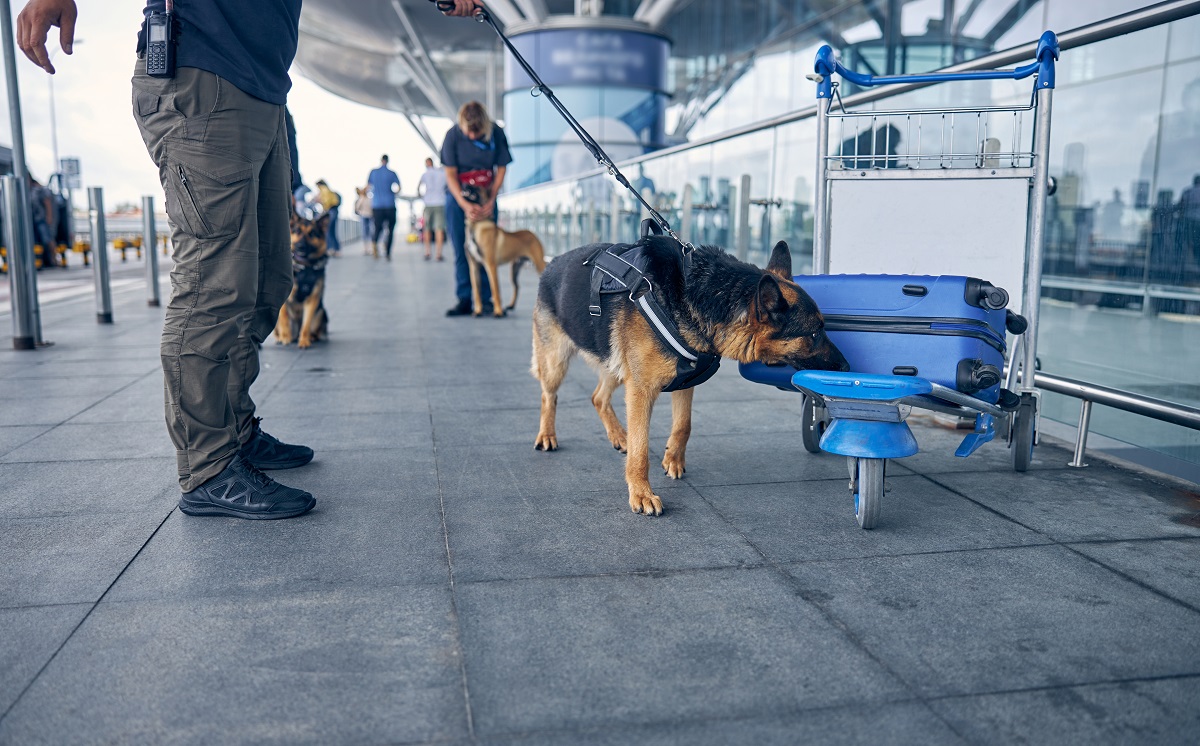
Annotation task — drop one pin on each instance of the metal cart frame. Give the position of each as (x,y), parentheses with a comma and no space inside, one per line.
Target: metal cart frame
(988,161)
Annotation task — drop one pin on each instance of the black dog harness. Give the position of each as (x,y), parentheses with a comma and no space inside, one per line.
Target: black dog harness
(621,268)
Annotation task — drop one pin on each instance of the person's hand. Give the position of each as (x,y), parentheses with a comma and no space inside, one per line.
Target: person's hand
(35,21)
(462,8)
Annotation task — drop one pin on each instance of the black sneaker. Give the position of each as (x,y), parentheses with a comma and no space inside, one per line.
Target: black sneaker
(462,309)
(265,451)
(242,491)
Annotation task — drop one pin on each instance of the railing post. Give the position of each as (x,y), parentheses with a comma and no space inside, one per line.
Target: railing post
(1085,420)
(150,240)
(685,213)
(19,261)
(743,219)
(104,313)
(614,218)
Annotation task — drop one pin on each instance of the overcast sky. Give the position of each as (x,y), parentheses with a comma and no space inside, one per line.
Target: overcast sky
(339,141)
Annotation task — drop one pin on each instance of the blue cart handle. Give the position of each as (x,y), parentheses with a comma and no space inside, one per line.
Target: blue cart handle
(827,64)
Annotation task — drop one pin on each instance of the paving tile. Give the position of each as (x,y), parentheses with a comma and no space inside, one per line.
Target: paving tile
(319,376)
(1096,504)
(756,458)
(110,440)
(139,402)
(347,541)
(1168,565)
(68,559)
(516,469)
(50,409)
(82,488)
(1159,712)
(31,635)
(386,476)
(346,666)
(614,650)
(882,724)
(1003,619)
(341,432)
(49,388)
(15,436)
(344,401)
(498,538)
(815,520)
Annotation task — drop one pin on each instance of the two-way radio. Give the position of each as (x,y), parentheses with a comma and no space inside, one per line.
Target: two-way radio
(160,43)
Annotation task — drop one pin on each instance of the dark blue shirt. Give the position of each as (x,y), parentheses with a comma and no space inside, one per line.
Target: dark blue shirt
(249,43)
(465,154)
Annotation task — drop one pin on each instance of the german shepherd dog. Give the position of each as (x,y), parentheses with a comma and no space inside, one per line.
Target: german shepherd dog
(490,245)
(303,313)
(723,306)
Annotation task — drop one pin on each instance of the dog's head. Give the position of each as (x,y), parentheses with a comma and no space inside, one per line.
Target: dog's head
(308,238)
(785,322)
(472,194)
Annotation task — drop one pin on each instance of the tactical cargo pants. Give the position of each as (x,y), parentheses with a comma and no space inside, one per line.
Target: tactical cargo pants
(223,160)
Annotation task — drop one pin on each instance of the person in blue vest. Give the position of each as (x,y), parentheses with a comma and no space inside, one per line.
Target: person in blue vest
(384,185)
(475,156)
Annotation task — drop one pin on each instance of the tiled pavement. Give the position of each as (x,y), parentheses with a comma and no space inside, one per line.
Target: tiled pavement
(456,586)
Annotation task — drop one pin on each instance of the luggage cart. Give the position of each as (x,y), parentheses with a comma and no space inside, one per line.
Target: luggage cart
(862,415)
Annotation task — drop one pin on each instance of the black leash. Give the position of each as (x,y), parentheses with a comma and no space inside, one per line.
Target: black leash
(541,89)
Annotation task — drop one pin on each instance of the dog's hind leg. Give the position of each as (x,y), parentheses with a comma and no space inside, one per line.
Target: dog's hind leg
(516,270)
(310,309)
(681,430)
(552,351)
(602,401)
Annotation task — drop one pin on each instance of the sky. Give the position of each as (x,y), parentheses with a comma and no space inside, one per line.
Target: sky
(339,140)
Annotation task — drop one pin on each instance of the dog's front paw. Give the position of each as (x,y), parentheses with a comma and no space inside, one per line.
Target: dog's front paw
(645,502)
(673,464)
(546,442)
(305,341)
(500,314)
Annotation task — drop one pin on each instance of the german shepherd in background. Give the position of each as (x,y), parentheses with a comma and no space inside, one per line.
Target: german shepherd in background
(303,313)
(490,245)
(722,306)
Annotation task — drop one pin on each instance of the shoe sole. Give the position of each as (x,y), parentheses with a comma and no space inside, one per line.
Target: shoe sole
(277,465)
(208,510)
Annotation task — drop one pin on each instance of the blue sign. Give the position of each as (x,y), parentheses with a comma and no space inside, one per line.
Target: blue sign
(592,57)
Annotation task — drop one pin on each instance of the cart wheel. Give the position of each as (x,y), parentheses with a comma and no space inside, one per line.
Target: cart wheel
(868,492)
(1023,432)
(812,417)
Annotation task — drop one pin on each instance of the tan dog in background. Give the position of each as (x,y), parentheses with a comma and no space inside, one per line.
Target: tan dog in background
(490,245)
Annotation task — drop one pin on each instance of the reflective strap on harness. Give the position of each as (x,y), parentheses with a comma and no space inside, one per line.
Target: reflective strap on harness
(654,313)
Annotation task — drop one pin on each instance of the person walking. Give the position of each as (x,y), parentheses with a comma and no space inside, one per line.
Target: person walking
(330,201)
(221,113)
(432,190)
(475,156)
(385,185)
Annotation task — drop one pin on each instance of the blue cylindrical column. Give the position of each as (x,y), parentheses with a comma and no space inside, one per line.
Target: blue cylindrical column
(610,74)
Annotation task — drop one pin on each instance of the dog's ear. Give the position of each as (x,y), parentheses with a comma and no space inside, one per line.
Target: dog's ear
(781,261)
(768,298)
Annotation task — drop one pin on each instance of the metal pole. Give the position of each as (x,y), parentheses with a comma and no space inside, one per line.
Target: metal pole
(1037,232)
(104,313)
(685,213)
(743,217)
(1085,419)
(614,219)
(150,242)
(821,198)
(21,215)
(22,319)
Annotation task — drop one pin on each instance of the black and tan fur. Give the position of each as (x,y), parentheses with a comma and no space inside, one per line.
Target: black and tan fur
(302,317)
(724,306)
(490,246)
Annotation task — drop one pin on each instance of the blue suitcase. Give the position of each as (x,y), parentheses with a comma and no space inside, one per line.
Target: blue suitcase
(948,329)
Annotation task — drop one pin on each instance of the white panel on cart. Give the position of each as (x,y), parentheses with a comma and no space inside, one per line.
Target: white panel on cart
(931,227)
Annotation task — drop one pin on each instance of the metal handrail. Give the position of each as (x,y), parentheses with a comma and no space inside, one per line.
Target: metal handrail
(1089,393)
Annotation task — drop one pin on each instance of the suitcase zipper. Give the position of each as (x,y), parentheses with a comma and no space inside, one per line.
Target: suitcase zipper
(949,327)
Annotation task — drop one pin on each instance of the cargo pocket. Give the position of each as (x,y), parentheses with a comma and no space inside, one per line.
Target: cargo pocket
(211,191)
